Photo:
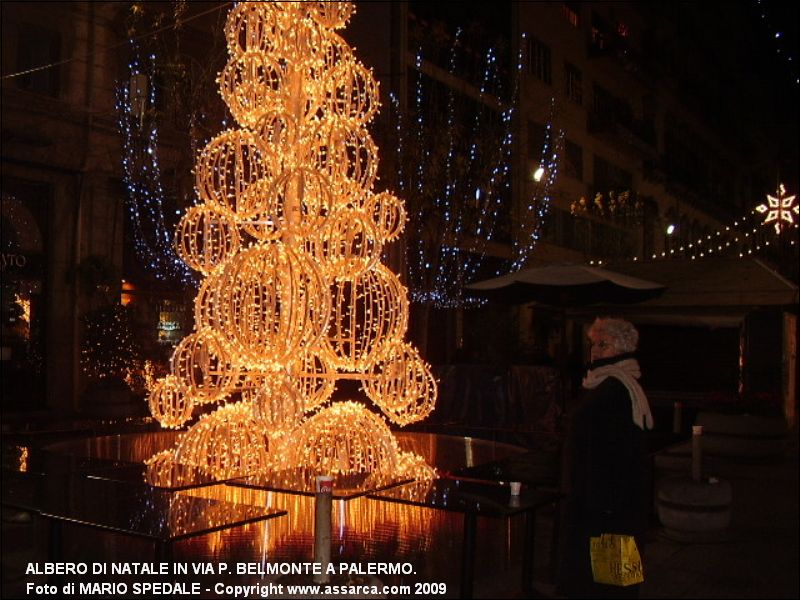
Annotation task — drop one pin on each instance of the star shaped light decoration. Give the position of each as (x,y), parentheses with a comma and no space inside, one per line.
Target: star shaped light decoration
(779,209)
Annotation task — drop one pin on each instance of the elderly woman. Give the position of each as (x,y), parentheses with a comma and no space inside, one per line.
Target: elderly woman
(604,467)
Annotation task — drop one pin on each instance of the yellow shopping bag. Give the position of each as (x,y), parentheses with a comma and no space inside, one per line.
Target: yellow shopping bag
(616,560)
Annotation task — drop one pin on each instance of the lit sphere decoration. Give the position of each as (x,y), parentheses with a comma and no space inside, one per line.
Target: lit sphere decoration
(347,245)
(343,438)
(296,203)
(354,95)
(331,15)
(278,132)
(206,237)
(368,315)
(347,158)
(247,84)
(251,27)
(170,403)
(274,303)
(159,467)
(205,303)
(333,51)
(227,443)
(402,385)
(314,379)
(288,234)
(278,404)
(388,215)
(227,166)
(201,362)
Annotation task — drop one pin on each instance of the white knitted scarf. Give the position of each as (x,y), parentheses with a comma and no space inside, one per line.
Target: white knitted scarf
(627,371)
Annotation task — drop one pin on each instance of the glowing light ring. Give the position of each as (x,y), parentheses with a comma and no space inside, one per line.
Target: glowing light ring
(229,442)
(201,362)
(227,166)
(251,27)
(367,316)
(304,192)
(274,303)
(206,313)
(403,386)
(353,95)
(205,238)
(331,15)
(278,404)
(250,85)
(313,377)
(347,157)
(343,438)
(278,132)
(388,215)
(170,404)
(347,245)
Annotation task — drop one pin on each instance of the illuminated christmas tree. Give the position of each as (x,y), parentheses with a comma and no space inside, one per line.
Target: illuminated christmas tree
(288,235)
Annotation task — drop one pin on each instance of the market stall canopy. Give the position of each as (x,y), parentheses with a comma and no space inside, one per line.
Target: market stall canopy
(567,285)
(712,292)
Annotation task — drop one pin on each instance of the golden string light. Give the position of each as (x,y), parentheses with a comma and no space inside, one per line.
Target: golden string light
(368,315)
(206,237)
(288,234)
(170,403)
(228,442)
(402,385)
(200,362)
(344,439)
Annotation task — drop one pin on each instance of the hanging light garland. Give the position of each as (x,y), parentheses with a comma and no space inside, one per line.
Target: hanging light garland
(288,234)
(145,194)
(746,239)
(544,178)
(456,208)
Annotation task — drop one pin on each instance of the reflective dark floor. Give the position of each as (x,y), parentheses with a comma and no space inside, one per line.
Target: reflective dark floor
(757,557)
(426,542)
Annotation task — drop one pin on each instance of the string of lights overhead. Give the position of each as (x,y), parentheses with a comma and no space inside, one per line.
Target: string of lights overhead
(747,235)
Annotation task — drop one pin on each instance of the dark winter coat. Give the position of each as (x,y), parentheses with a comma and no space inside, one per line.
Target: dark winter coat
(604,482)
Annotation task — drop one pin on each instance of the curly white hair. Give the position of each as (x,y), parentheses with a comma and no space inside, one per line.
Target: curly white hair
(621,334)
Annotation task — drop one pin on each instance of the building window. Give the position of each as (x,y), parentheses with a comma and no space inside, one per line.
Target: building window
(539,60)
(573,83)
(571,12)
(609,177)
(573,160)
(538,136)
(23,301)
(600,33)
(39,47)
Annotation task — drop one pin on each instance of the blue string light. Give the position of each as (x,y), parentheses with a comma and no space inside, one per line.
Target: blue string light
(142,174)
(465,199)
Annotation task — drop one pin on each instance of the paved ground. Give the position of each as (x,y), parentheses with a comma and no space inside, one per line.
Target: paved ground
(756,557)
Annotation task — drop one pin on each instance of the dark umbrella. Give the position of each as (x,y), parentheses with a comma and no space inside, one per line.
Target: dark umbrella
(566,286)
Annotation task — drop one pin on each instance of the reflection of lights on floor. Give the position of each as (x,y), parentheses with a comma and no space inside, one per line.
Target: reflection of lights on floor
(372,525)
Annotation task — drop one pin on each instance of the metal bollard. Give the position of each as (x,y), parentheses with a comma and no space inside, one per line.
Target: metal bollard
(323,501)
(677,416)
(697,452)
